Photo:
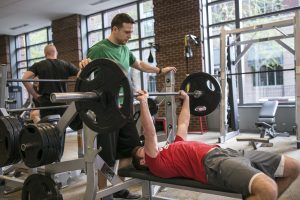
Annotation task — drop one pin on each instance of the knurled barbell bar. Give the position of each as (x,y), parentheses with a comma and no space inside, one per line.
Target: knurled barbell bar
(98,95)
(82,96)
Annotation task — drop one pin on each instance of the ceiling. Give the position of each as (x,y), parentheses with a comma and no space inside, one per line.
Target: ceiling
(20,16)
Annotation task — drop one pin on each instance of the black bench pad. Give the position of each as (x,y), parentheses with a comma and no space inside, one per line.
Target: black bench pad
(146,175)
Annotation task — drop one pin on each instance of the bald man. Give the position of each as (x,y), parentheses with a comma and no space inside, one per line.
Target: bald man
(50,68)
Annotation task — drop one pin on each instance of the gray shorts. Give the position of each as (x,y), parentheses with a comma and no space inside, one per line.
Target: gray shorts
(233,170)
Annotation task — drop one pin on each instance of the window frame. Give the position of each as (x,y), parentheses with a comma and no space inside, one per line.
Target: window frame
(138,23)
(238,22)
(27,47)
(28,60)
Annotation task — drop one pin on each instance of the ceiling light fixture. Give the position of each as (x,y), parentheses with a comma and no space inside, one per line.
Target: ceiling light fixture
(17,27)
(98,2)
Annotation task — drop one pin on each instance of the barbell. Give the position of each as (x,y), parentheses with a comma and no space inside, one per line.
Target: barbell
(82,96)
(98,88)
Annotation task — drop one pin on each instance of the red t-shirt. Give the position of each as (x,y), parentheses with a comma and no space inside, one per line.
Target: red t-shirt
(180,159)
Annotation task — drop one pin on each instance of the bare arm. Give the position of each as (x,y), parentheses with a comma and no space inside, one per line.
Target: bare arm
(151,146)
(28,85)
(82,64)
(184,116)
(145,67)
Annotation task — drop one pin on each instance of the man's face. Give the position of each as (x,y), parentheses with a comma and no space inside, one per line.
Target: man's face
(141,153)
(123,34)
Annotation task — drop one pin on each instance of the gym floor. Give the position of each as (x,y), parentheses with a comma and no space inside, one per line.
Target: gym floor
(283,145)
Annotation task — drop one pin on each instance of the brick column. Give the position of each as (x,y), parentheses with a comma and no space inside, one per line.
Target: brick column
(173,20)
(4,52)
(67,39)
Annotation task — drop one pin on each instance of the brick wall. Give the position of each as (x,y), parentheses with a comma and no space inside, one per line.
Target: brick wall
(67,39)
(4,52)
(173,20)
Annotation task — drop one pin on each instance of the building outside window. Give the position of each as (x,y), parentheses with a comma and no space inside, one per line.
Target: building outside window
(263,56)
(98,26)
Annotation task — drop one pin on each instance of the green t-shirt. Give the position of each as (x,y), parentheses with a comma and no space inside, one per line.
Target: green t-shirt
(118,53)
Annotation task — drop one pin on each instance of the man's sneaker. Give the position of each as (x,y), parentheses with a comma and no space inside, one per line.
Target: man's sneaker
(125,194)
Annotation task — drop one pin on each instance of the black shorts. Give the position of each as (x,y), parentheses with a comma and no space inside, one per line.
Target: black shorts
(44,101)
(230,169)
(118,144)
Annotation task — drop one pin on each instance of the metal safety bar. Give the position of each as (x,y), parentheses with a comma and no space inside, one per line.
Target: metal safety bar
(261,27)
(37,108)
(41,80)
(256,72)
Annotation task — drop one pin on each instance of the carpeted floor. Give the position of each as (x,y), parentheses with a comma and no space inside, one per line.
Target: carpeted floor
(282,145)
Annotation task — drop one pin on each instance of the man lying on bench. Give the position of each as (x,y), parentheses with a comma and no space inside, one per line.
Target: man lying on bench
(257,175)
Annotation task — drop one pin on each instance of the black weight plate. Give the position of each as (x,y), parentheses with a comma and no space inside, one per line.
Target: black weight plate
(53,143)
(109,78)
(45,145)
(38,187)
(48,133)
(15,126)
(12,141)
(59,143)
(31,135)
(13,150)
(17,129)
(56,142)
(46,159)
(59,140)
(211,93)
(6,142)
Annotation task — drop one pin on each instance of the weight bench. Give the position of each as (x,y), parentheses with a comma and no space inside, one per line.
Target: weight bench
(179,183)
(266,124)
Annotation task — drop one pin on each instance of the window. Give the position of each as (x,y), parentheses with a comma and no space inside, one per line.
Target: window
(268,76)
(221,12)
(30,49)
(129,9)
(94,37)
(98,26)
(258,7)
(263,56)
